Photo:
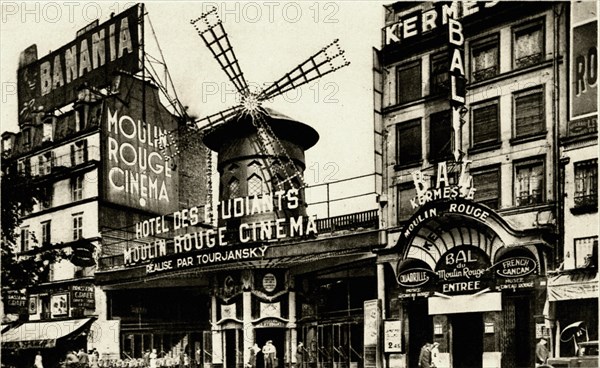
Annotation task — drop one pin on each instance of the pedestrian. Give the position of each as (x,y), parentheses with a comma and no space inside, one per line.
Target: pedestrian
(71,360)
(270,355)
(425,356)
(37,363)
(254,350)
(84,359)
(300,355)
(541,352)
(93,358)
(435,355)
(198,357)
(146,358)
(153,357)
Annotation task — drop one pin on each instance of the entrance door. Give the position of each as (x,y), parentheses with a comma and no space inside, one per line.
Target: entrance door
(467,340)
(277,336)
(230,349)
(420,329)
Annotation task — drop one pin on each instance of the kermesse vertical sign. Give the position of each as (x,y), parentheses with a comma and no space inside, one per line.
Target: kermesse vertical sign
(92,57)
(136,172)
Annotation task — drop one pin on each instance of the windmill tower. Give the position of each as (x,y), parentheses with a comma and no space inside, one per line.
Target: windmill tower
(247,168)
(259,150)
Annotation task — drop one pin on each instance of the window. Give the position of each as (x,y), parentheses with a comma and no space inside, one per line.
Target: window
(77,188)
(484,59)
(46,232)
(408,143)
(528,43)
(46,197)
(45,162)
(486,127)
(234,188)
(529,113)
(586,252)
(440,136)
(529,183)
(439,82)
(80,117)
(77,226)
(409,82)
(405,192)
(24,238)
(487,182)
(27,137)
(586,183)
(79,152)
(255,186)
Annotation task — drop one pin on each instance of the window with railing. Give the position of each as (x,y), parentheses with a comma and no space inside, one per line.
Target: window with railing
(485,124)
(79,152)
(586,183)
(439,80)
(529,183)
(409,82)
(528,43)
(47,196)
(485,58)
(529,113)
(408,143)
(46,161)
(487,182)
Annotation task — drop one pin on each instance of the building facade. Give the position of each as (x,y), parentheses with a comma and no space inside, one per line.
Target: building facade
(470,109)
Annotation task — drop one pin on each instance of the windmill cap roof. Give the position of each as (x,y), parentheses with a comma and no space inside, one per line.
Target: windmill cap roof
(282,125)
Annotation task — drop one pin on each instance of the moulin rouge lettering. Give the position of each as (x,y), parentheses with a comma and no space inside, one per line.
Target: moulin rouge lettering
(137,168)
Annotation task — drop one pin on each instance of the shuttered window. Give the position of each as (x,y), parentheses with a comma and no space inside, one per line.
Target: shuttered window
(528,44)
(485,124)
(529,113)
(440,136)
(409,82)
(487,183)
(484,58)
(408,143)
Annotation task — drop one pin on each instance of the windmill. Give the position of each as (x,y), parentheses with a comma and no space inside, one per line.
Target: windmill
(327,60)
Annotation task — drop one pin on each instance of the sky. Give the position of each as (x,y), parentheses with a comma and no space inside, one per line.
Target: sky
(269,39)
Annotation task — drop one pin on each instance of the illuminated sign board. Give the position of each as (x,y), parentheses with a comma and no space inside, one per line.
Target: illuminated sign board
(416,24)
(92,57)
(136,172)
(186,247)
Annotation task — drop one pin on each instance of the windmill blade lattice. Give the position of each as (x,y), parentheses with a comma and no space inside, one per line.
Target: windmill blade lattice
(210,28)
(327,60)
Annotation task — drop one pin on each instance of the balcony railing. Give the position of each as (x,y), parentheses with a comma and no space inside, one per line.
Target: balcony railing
(61,162)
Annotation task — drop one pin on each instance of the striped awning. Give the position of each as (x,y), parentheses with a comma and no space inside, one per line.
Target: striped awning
(578,284)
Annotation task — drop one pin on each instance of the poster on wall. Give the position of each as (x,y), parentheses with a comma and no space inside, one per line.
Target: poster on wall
(583,73)
(372,316)
(59,305)
(392,336)
(92,57)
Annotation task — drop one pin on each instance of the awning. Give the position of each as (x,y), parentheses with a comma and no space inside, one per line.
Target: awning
(43,334)
(582,284)
(481,302)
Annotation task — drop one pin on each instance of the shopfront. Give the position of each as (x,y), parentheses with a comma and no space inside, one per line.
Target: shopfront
(460,276)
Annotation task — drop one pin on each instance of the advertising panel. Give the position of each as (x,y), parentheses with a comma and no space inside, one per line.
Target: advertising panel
(92,57)
(136,172)
(584,63)
(83,296)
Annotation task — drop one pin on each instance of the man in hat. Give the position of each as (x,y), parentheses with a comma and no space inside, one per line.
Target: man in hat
(541,352)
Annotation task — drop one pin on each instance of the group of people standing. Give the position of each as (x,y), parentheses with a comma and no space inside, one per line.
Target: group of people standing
(429,357)
(269,355)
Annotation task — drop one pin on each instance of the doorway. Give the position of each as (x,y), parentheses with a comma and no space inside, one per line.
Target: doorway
(231,349)
(420,329)
(467,340)
(277,337)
